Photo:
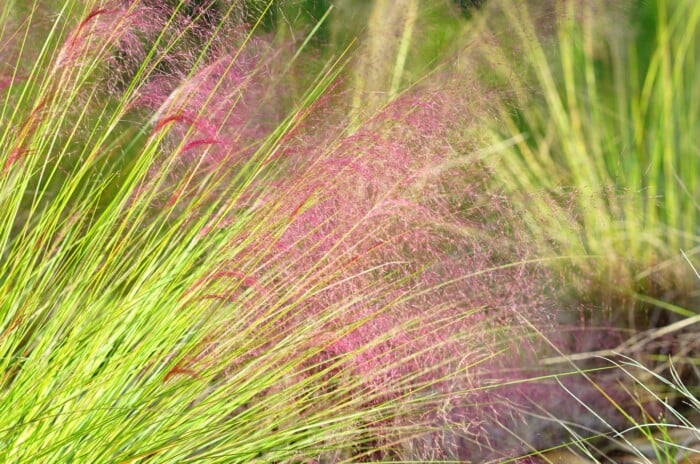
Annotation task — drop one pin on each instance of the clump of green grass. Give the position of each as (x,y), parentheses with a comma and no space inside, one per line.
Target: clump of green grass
(597,151)
(602,123)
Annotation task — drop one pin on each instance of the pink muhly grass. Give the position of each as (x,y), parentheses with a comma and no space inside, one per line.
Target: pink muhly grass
(364,241)
(356,261)
(380,260)
(96,34)
(6,82)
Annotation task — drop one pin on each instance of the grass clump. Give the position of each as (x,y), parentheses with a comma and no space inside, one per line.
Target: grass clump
(604,158)
(195,268)
(226,238)
(597,138)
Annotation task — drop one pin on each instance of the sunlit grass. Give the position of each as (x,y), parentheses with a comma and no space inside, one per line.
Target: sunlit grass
(225,237)
(192,271)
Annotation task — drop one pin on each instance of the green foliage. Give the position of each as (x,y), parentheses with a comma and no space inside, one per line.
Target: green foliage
(605,162)
(224,239)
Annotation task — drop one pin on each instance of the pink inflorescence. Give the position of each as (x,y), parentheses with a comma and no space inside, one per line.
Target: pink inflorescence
(370,238)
